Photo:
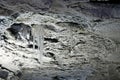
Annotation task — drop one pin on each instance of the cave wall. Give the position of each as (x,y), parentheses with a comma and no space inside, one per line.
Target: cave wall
(95,9)
(80,40)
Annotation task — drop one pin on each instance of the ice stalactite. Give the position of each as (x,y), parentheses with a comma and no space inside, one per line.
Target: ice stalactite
(38,39)
(34,37)
(70,39)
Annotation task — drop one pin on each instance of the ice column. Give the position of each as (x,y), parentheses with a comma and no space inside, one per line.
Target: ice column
(38,39)
(70,39)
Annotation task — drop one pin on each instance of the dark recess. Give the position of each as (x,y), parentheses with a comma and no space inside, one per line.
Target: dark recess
(51,40)
(19,28)
(31,46)
(106,1)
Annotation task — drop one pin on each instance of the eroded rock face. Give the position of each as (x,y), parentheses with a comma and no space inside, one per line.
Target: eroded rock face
(20,31)
(79,40)
(78,7)
(72,49)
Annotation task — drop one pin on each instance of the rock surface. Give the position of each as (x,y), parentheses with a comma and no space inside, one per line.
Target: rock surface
(77,44)
(78,7)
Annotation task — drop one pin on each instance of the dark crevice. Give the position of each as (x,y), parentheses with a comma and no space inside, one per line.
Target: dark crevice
(15,15)
(18,73)
(73,24)
(12,31)
(98,20)
(19,30)
(106,1)
(53,40)
(118,68)
(58,78)
(3,37)
(50,54)
(81,42)
(31,46)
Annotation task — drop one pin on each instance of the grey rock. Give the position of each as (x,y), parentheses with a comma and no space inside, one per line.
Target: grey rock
(4,74)
(73,47)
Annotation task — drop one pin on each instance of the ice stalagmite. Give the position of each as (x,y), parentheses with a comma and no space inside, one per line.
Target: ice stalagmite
(37,31)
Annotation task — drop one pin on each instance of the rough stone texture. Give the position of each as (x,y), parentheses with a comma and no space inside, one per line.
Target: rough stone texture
(72,50)
(78,7)
(79,43)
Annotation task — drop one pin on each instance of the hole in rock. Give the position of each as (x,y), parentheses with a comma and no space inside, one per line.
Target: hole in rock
(118,68)
(50,54)
(31,46)
(53,40)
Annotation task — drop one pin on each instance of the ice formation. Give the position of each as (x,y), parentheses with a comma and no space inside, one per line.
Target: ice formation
(38,39)
(70,38)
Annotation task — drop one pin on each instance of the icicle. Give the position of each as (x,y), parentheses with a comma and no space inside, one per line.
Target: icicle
(38,32)
(33,41)
(38,44)
(41,42)
(33,34)
(70,39)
